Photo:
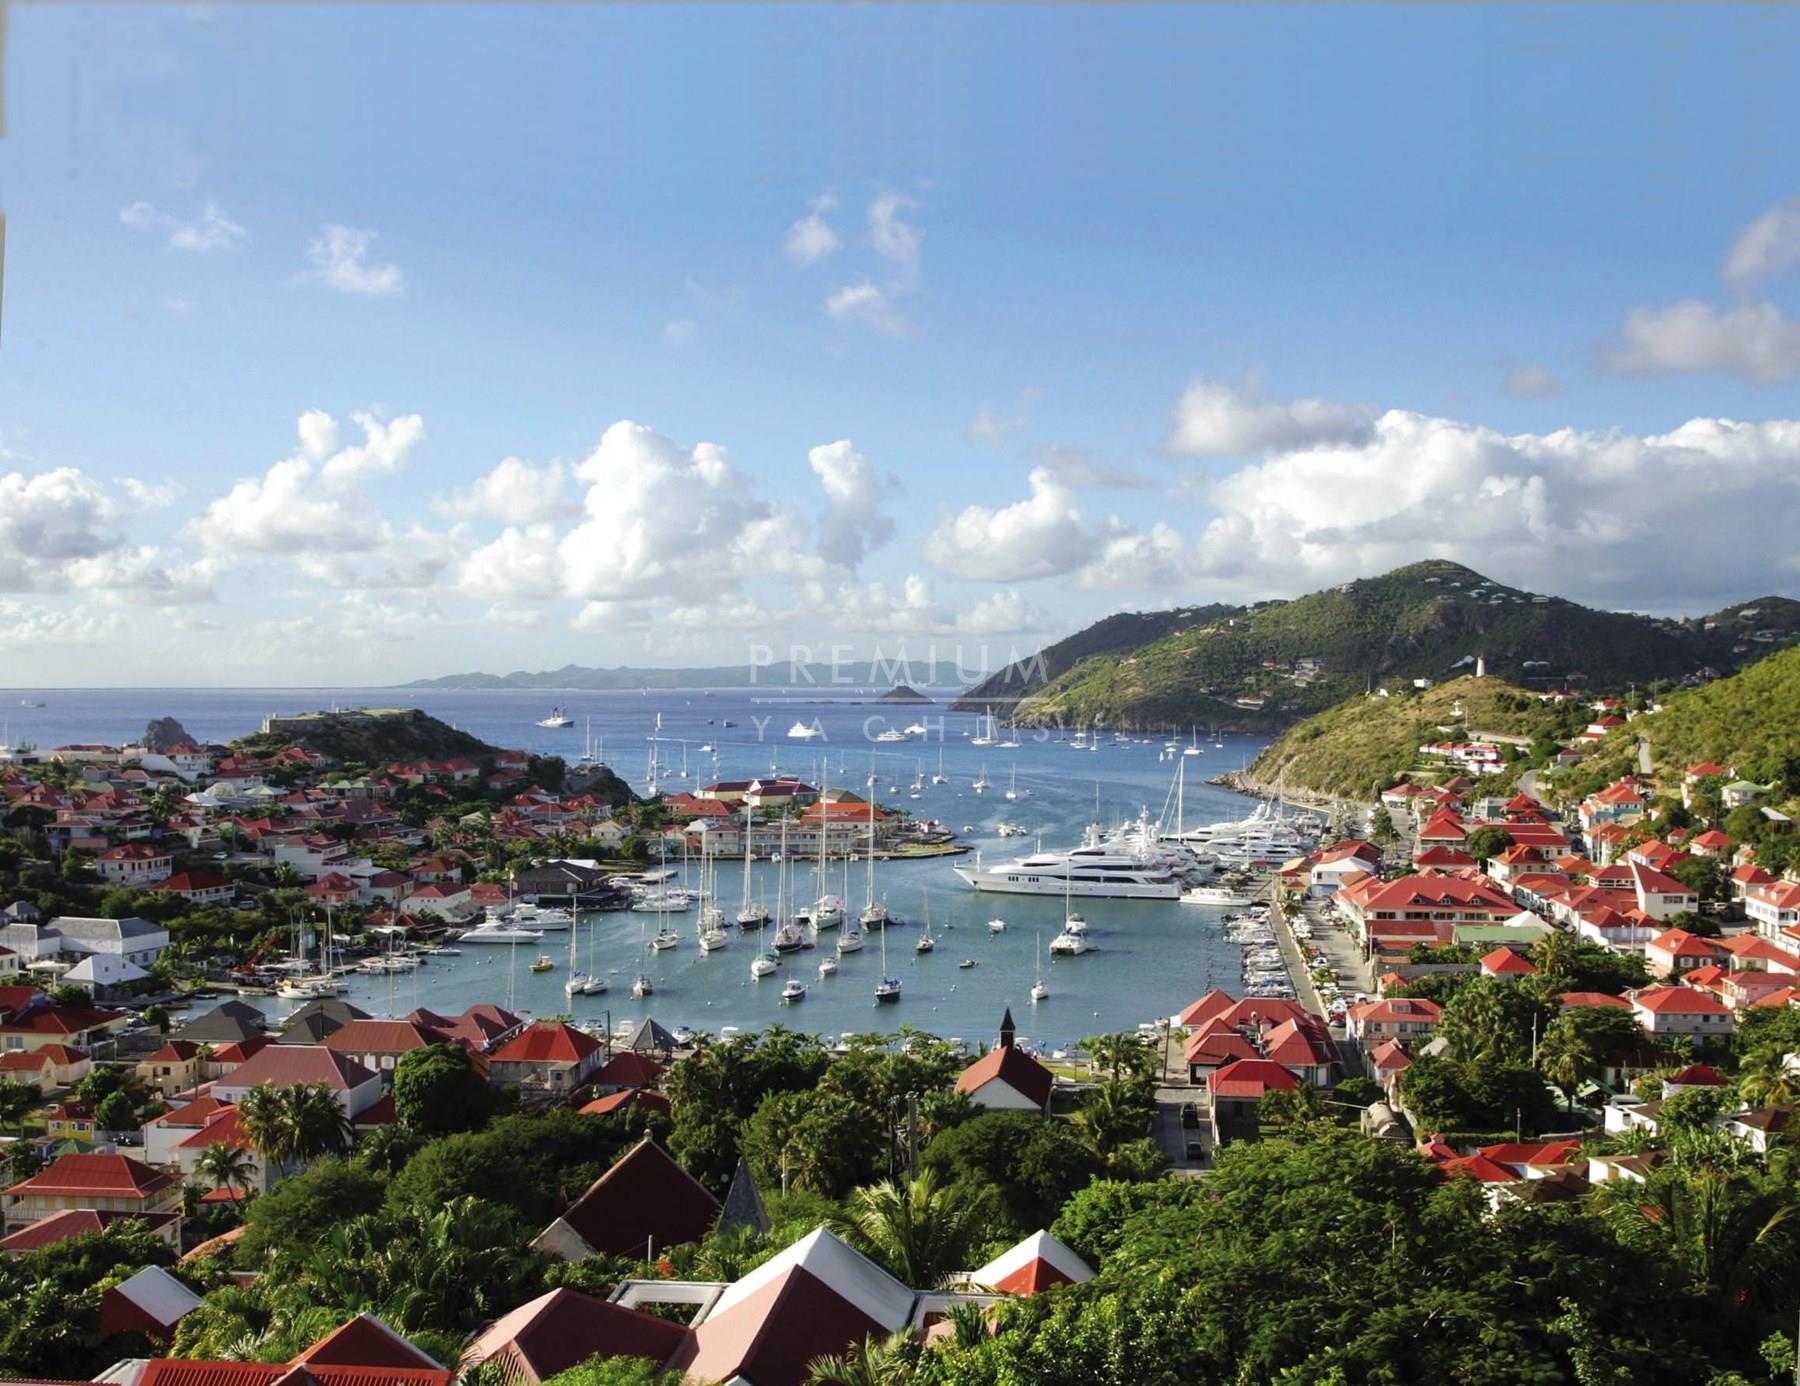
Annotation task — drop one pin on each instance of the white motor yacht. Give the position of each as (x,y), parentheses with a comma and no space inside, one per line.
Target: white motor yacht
(500,933)
(1101,868)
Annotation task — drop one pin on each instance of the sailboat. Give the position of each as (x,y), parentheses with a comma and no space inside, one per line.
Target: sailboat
(1039,991)
(874,913)
(1012,786)
(642,987)
(887,990)
(1193,746)
(1073,938)
(596,980)
(984,732)
(925,943)
(981,780)
(1012,736)
(827,910)
(750,916)
(940,777)
(576,985)
(765,962)
(712,935)
(557,718)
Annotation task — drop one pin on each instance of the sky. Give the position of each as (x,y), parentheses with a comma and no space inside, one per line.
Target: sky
(353,344)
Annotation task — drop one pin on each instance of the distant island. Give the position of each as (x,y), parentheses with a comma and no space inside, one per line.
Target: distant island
(900,693)
(849,677)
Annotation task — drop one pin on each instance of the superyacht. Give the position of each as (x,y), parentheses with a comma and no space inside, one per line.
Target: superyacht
(1121,865)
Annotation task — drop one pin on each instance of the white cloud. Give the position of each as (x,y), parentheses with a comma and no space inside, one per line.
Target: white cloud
(1595,515)
(506,614)
(514,493)
(1531,382)
(1136,560)
(868,304)
(1218,420)
(1040,536)
(854,522)
(142,577)
(49,521)
(1766,249)
(1755,341)
(339,256)
(207,230)
(152,495)
(303,504)
(811,239)
(896,241)
(520,564)
(29,627)
(661,519)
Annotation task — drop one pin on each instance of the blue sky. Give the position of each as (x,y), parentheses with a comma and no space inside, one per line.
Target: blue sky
(1101,308)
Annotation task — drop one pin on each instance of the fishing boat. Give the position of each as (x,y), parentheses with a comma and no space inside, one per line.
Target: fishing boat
(793,992)
(542,963)
(557,718)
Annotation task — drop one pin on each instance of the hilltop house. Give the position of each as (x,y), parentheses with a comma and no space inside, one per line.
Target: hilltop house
(98,1183)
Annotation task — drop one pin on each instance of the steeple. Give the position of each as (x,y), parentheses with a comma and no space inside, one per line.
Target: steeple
(1007,1029)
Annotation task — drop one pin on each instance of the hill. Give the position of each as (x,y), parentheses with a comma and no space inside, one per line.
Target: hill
(1274,663)
(1347,750)
(901,693)
(1125,631)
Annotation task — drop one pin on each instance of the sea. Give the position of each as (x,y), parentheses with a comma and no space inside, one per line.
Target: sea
(1147,961)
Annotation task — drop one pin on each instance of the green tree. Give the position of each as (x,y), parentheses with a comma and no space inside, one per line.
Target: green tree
(115,1112)
(920,1230)
(16,1100)
(606,1371)
(1767,1079)
(299,1211)
(438,1092)
(227,1167)
(1492,1019)
(872,1362)
(1033,1165)
(1487,842)
(1566,1058)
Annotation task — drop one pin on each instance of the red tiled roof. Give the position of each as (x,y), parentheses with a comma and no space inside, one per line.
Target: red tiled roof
(563,1329)
(645,1194)
(381,1037)
(95,1176)
(1504,962)
(75,1222)
(628,1070)
(1252,1078)
(647,1098)
(548,1041)
(1017,1069)
(1572,999)
(1680,1001)
(283,1065)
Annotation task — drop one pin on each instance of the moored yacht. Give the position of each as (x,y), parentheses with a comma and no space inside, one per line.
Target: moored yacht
(1103,867)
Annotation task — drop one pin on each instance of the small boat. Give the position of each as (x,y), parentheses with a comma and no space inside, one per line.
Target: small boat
(791,937)
(828,967)
(793,991)
(543,963)
(996,926)
(966,964)
(764,965)
(1069,944)
(557,718)
(665,939)
(924,944)
(594,986)
(642,987)
(850,941)
(800,731)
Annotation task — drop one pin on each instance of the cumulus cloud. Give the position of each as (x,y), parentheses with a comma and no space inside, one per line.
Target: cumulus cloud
(661,519)
(1040,536)
(1755,341)
(1531,382)
(520,564)
(1766,249)
(303,504)
(868,304)
(1589,514)
(1218,420)
(854,522)
(896,240)
(207,230)
(152,495)
(812,239)
(29,627)
(1136,560)
(339,256)
(514,493)
(49,521)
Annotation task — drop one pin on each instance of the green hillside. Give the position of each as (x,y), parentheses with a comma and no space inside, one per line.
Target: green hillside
(1275,663)
(1349,749)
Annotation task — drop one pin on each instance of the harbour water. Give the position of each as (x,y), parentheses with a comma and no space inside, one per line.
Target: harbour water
(1148,958)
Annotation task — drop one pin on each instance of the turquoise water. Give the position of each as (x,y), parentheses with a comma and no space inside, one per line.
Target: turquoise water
(1148,959)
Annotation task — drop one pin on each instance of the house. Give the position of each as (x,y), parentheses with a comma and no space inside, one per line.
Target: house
(173,1068)
(1234,1096)
(1660,895)
(1035,1264)
(132,940)
(646,1199)
(646,1098)
(1006,1078)
(199,885)
(40,1021)
(379,1045)
(1386,1062)
(226,1059)
(1334,863)
(1711,843)
(98,1183)
(627,1071)
(1393,1017)
(1507,962)
(164,1134)
(1760,1128)
(318,1019)
(1677,1010)
(1674,951)
(150,1303)
(482,1028)
(564,1328)
(226,1023)
(47,1066)
(224,1128)
(363,1351)
(134,864)
(548,1055)
(1773,906)
(71,1121)
(283,1065)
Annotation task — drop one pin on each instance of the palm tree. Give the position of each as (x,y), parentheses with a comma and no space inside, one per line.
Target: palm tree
(1121,1053)
(1114,1114)
(1565,1059)
(1767,1079)
(227,1167)
(320,1123)
(263,1113)
(884,1362)
(1555,954)
(920,1230)
(1732,1230)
